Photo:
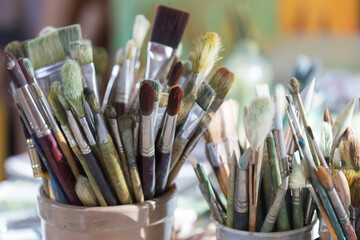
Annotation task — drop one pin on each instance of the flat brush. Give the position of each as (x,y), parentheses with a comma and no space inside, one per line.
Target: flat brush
(90,162)
(200,107)
(140,30)
(165,142)
(127,137)
(42,131)
(174,76)
(147,149)
(109,154)
(327,117)
(15,49)
(168,28)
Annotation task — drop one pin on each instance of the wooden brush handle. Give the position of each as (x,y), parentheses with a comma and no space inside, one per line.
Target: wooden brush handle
(173,173)
(177,150)
(328,222)
(162,171)
(60,167)
(147,175)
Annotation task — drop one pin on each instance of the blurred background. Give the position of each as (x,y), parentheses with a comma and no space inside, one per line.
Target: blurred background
(265,41)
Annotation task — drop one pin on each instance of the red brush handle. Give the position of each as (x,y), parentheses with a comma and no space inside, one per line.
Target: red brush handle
(60,167)
(147,174)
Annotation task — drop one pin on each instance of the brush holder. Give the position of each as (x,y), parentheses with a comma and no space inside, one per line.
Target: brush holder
(225,233)
(150,220)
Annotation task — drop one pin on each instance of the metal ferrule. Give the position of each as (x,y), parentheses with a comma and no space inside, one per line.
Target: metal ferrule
(215,104)
(217,154)
(115,130)
(192,144)
(193,83)
(159,118)
(123,85)
(182,82)
(34,158)
(167,134)
(159,58)
(69,136)
(89,78)
(83,145)
(192,121)
(241,200)
(101,130)
(87,131)
(147,148)
(32,112)
(45,76)
(296,197)
(112,80)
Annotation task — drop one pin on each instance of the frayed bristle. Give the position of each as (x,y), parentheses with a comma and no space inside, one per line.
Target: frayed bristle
(175,74)
(29,68)
(222,81)
(206,97)
(175,96)
(294,85)
(299,176)
(100,58)
(124,121)
(206,52)
(327,117)
(15,48)
(56,106)
(82,51)
(169,26)
(156,85)
(46,30)
(57,88)
(130,49)
(258,121)
(120,56)
(163,99)
(185,107)
(73,86)
(91,100)
(69,34)
(326,139)
(140,29)
(146,99)
(110,112)
(85,192)
(46,50)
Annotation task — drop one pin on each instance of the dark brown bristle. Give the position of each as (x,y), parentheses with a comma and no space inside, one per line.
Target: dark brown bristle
(327,117)
(175,96)
(169,26)
(110,112)
(294,85)
(172,66)
(146,99)
(324,178)
(309,130)
(14,70)
(175,74)
(29,79)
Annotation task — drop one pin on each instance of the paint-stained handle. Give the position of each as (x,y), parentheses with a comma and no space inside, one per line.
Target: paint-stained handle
(125,168)
(162,171)
(147,174)
(177,150)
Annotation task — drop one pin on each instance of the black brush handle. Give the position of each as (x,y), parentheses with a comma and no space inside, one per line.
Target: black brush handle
(241,221)
(162,167)
(100,179)
(147,174)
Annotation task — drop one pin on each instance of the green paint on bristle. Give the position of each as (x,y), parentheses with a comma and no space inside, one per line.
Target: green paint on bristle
(29,67)
(91,100)
(56,106)
(84,52)
(58,89)
(46,50)
(73,86)
(24,47)
(156,85)
(69,34)
(206,97)
(100,58)
(124,121)
(15,49)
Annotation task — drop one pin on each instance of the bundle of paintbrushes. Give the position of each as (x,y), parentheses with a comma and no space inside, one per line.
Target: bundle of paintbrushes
(129,146)
(281,178)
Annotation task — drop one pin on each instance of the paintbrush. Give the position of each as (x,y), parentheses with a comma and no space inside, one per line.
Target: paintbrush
(187,67)
(90,162)
(274,210)
(327,117)
(15,48)
(60,115)
(147,139)
(231,192)
(42,131)
(100,57)
(197,112)
(258,121)
(110,114)
(119,61)
(135,117)
(109,154)
(73,93)
(85,192)
(326,140)
(174,76)
(156,85)
(327,182)
(185,107)
(127,138)
(166,139)
(342,186)
(140,30)
(168,28)
(163,100)
(205,56)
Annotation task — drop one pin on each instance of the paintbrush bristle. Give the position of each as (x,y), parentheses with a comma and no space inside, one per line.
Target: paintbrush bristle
(46,50)
(56,106)
(73,86)
(169,26)
(120,56)
(110,112)
(187,67)
(207,52)
(206,97)
(140,29)
(100,57)
(163,99)
(130,49)
(185,107)
(193,162)
(299,176)
(134,114)
(85,192)
(146,99)
(175,96)
(69,34)
(57,88)
(327,117)
(82,51)
(222,81)
(294,85)
(15,48)
(258,121)
(29,68)
(156,85)
(91,100)
(355,153)
(124,121)
(324,178)
(46,30)
(326,139)
(175,74)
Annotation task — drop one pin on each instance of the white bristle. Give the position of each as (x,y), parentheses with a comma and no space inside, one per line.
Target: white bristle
(326,139)
(141,27)
(299,176)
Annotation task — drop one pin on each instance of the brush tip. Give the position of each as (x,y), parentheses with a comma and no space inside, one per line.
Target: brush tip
(146,99)
(193,162)
(85,192)
(324,178)
(327,116)
(294,85)
(206,97)
(309,130)
(110,112)
(124,121)
(156,85)
(15,48)
(91,100)
(140,29)
(222,81)
(120,56)
(175,74)
(175,96)
(81,50)
(29,68)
